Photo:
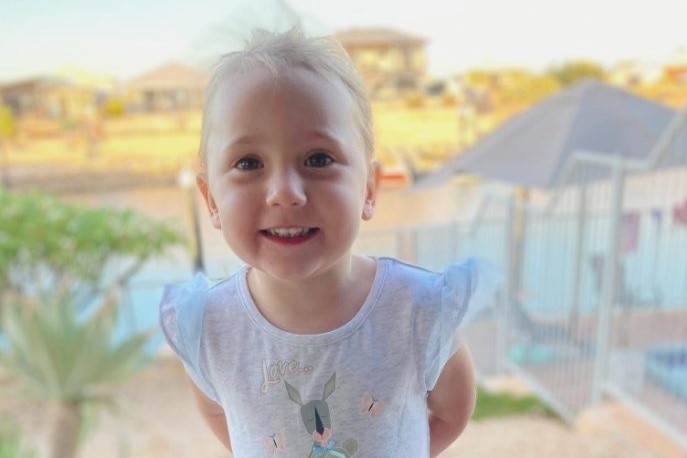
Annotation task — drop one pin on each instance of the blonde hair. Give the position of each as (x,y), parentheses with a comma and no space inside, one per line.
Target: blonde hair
(277,51)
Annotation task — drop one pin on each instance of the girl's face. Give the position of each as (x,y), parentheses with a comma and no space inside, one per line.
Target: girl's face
(287,178)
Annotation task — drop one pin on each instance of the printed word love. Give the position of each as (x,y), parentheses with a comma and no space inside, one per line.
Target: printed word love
(273,374)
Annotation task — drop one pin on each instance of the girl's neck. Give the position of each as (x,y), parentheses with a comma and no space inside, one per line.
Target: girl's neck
(315,305)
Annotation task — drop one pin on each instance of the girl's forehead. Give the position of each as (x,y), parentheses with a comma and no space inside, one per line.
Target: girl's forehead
(294,104)
(294,100)
(291,86)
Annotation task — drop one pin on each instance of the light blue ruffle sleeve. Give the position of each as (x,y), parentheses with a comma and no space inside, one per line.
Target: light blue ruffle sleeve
(181,320)
(469,289)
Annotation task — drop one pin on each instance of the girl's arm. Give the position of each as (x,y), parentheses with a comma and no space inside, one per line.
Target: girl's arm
(451,402)
(214,416)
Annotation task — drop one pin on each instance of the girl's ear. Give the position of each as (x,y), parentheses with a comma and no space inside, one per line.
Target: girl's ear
(375,175)
(204,188)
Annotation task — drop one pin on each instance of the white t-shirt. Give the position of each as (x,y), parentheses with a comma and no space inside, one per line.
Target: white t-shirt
(358,390)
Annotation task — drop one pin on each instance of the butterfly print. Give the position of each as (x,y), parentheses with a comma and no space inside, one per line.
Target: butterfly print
(275,442)
(371,406)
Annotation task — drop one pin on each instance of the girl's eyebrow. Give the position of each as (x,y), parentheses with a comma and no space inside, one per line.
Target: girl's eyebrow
(313,135)
(243,140)
(326,135)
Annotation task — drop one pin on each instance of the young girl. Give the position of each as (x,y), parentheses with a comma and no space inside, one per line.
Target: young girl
(310,350)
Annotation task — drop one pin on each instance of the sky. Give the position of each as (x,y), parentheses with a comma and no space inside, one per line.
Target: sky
(124,38)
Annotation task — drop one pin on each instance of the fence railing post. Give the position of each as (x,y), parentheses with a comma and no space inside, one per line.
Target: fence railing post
(406,244)
(508,287)
(608,291)
(580,229)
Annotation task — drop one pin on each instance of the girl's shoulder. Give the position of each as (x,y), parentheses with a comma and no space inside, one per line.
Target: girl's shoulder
(200,292)
(405,271)
(468,280)
(227,291)
(410,283)
(461,271)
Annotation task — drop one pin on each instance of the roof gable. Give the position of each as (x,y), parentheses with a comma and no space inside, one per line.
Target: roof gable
(362,37)
(170,75)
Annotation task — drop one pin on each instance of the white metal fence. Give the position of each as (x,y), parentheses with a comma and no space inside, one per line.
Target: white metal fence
(595,298)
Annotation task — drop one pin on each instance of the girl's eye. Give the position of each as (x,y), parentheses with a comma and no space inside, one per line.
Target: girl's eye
(319,159)
(248,163)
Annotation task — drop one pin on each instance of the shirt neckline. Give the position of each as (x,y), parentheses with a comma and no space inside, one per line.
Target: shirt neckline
(319,339)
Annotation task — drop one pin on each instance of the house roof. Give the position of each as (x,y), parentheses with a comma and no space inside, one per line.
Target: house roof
(363,37)
(31,84)
(172,75)
(534,147)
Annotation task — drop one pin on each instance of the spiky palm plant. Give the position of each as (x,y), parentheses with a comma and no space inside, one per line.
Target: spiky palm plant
(10,444)
(68,358)
(58,262)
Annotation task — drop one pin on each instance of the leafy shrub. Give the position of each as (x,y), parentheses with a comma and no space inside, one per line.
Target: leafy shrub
(44,241)
(114,108)
(8,125)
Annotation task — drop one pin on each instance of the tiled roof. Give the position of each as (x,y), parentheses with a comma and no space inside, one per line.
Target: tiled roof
(376,36)
(172,75)
(32,83)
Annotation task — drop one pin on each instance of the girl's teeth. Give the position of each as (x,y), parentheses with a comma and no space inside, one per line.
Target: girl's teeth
(291,232)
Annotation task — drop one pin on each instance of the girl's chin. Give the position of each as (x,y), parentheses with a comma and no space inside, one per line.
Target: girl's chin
(299,269)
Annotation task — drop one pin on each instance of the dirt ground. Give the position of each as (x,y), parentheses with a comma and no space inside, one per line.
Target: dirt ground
(160,421)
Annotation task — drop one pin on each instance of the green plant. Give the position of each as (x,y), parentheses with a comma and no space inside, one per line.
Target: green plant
(529,89)
(61,267)
(10,443)
(114,108)
(490,404)
(571,72)
(8,126)
(68,358)
(44,242)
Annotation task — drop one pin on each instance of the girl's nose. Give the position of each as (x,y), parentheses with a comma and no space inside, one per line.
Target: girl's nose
(286,189)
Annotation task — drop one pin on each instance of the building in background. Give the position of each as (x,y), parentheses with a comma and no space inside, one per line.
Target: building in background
(167,88)
(628,73)
(392,63)
(63,96)
(675,70)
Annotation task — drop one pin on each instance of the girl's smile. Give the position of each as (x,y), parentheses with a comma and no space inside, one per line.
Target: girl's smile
(290,236)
